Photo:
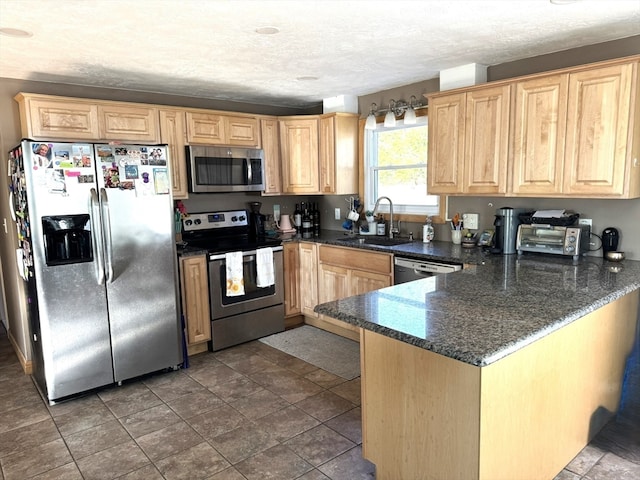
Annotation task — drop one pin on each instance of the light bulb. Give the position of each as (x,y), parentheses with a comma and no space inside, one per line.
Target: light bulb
(410,116)
(389,119)
(371,123)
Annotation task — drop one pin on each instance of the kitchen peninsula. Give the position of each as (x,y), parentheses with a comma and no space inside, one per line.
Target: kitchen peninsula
(504,370)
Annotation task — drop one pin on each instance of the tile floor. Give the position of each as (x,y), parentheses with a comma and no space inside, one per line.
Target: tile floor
(248,412)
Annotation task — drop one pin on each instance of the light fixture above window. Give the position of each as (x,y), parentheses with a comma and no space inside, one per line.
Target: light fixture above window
(396,109)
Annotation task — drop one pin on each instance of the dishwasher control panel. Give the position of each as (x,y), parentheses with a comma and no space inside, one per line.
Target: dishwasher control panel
(408,269)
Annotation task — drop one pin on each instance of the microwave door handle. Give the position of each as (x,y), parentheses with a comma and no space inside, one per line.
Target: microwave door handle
(106,231)
(247,162)
(94,216)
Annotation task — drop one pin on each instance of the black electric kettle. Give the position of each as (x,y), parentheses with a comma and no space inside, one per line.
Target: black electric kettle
(610,238)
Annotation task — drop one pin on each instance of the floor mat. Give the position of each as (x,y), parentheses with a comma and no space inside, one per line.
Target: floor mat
(326,350)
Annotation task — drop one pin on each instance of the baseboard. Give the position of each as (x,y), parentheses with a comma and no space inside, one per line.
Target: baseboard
(27,365)
(330,325)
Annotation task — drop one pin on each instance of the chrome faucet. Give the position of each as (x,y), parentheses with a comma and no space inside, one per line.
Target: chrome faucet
(392,230)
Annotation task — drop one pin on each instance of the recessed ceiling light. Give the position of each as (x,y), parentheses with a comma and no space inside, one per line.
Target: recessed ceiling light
(306,78)
(15,32)
(267,30)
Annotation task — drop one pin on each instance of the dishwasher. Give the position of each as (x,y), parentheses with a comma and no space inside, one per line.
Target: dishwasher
(409,269)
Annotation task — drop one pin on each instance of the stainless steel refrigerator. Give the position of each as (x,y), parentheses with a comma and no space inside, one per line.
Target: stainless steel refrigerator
(97,252)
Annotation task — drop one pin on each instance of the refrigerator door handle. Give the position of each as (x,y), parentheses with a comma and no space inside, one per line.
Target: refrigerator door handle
(106,230)
(94,214)
(12,208)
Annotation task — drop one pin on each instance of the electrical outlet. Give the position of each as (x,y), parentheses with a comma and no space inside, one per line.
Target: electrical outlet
(585,221)
(470,221)
(336,214)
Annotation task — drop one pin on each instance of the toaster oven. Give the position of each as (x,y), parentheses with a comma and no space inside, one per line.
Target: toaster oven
(559,240)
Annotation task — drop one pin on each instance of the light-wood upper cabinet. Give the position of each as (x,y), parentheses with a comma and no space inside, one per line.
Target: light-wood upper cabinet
(299,148)
(539,127)
(173,133)
(486,134)
(194,285)
(445,165)
(308,278)
(129,123)
(338,153)
(271,148)
(468,141)
(52,118)
(213,128)
(599,158)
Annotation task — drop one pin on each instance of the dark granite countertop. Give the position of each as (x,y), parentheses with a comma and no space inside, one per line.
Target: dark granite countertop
(497,306)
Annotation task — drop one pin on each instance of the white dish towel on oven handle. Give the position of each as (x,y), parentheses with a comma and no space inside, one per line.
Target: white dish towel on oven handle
(235,277)
(264,266)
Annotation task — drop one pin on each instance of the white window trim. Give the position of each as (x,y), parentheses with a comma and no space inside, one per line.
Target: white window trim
(371,194)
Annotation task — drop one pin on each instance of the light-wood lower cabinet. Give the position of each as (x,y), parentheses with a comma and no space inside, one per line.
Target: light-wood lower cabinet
(344,272)
(308,278)
(428,416)
(194,286)
(292,308)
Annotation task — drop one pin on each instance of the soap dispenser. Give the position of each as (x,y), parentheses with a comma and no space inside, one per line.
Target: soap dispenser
(427,231)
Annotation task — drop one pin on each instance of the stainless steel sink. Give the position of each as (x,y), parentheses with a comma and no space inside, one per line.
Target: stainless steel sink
(374,240)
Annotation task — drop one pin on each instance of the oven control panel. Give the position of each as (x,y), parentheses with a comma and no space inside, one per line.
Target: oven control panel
(212,220)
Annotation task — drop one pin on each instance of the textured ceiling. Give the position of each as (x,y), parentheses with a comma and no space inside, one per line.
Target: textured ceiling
(209,48)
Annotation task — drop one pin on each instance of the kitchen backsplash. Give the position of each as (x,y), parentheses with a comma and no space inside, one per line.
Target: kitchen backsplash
(621,214)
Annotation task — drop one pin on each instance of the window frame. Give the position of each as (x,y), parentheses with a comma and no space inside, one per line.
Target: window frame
(406,217)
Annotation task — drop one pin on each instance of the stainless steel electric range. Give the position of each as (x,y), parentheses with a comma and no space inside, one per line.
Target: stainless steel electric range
(259,311)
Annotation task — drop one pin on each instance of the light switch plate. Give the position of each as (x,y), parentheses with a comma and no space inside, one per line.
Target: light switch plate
(470,221)
(276,213)
(337,214)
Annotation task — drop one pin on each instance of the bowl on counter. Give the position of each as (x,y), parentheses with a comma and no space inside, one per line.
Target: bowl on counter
(614,256)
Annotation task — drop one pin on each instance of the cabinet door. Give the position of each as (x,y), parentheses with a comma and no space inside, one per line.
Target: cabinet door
(363,282)
(291,279)
(597,130)
(539,128)
(242,131)
(299,147)
(327,155)
(308,278)
(486,135)
(446,144)
(172,132)
(58,119)
(205,128)
(195,298)
(333,283)
(271,148)
(338,153)
(128,123)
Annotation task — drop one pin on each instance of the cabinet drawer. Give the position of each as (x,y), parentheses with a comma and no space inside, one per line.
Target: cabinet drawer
(357,259)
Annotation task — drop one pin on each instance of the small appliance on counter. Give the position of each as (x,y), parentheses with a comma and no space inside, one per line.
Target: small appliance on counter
(553,231)
(506,229)
(610,237)
(256,221)
(559,240)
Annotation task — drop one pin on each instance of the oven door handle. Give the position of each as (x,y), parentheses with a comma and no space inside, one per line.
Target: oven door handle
(221,256)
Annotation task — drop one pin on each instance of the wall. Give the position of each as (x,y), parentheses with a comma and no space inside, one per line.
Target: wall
(605,213)
(10,136)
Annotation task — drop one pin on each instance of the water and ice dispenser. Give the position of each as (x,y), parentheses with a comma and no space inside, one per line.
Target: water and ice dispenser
(67,239)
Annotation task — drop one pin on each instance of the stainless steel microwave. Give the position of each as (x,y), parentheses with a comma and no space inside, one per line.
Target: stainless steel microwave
(225,169)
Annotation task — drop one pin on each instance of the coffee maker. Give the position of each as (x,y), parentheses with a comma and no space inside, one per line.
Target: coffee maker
(256,221)
(506,223)
(610,238)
